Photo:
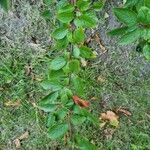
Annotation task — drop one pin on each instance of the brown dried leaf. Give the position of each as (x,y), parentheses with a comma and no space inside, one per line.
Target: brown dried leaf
(101,79)
(111,117)
(17,143)
(98,40)
(124,111)
(12,103)
(24,135)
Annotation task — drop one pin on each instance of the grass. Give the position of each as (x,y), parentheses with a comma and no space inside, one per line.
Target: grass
(122,85)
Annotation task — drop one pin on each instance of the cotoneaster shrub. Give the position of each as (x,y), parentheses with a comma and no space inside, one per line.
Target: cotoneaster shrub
(135,19)
(65,107)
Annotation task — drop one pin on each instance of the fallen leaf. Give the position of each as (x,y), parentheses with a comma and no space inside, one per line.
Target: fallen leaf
(101,79)
(12,103)
(106,15)
(111,117)
(80,102)
(98,40)
(17,143)
(102,124)
(124,111)
(94,98)
(24,135)
(83,62)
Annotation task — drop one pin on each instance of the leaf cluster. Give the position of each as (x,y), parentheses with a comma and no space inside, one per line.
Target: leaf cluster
(135,17)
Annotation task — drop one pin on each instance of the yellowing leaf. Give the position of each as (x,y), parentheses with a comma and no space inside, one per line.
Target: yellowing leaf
(111,117)
(12,103)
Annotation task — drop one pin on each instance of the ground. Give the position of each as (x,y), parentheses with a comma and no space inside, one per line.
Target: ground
(117,78)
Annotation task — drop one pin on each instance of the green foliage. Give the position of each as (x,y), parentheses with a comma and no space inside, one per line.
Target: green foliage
(63,80)
(136,19)
(5,4)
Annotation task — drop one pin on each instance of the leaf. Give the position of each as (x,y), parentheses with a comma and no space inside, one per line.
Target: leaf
(50,120)
(66,9)
(57,131)
(76,52)
(78,84)
(118,31)
(131,3)
(61,113)
(97,6)
(12,103)
(5,4)
(50,85)
(65,17)
(47,107)
(24,135)
(83,5)
(86,52)
(93,119)
(48,2)
(78,101)
(57,63)
(52,97)
(87,20)
(84,144)
(111,117)
(74,66)
(147,3)
(124,111)
(70,37)
(144,15)
(78,119)
(126,16)
(130,37)
(145,33)
(60,33)
(146,51)
(78,35)
(47,14)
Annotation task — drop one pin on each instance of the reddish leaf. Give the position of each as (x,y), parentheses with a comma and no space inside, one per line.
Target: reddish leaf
(80,102)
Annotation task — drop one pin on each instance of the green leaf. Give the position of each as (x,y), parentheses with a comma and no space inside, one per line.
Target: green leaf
(126,16)
(74,66)
(83,5)
(78,85)
(47,14)
(50,120)
(91,117)
(86,52)
(146,51)
(51,85)
(84,144)
(58,131)
(70,37)
(5,4)
(60,33)
(97,6)
(65,17)
(57,63)
(130,37)
(66,9)
(52,97)
(131,3)
(118,31)
(147,3)
(61,44)
(47,107)
(78,119)
(145,33)
(61,113)
(78,35)
(76,52)
(48,2)
(144,15)
(87,20)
